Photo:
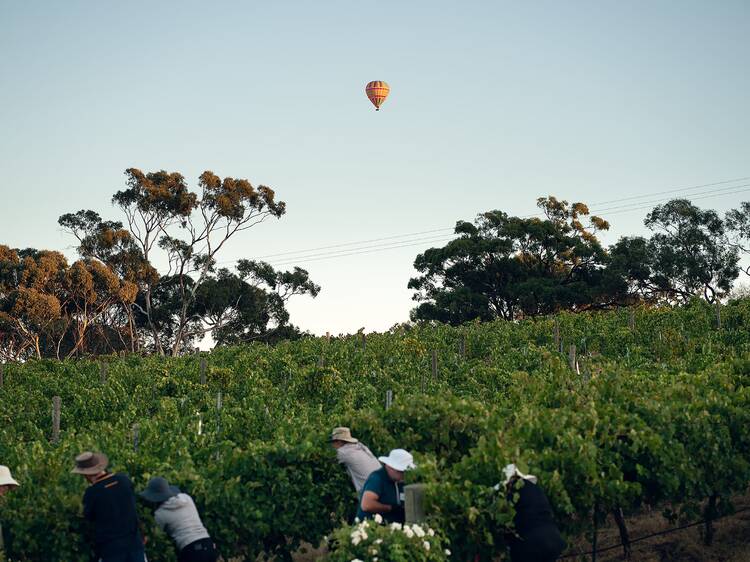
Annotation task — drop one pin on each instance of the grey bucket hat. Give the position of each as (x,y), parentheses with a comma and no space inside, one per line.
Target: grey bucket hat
(158,490)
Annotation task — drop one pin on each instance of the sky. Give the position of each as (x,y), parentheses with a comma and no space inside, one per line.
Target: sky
(492,105)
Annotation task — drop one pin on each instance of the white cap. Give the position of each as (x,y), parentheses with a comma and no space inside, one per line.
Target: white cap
(5,478)
(398,459)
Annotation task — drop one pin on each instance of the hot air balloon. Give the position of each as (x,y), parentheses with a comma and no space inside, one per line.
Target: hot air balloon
(377,91)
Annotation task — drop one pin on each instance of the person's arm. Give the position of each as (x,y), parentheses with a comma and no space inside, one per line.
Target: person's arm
(159,519)
(370,503)
(88,505)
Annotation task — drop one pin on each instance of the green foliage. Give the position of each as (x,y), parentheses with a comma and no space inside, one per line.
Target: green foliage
(658,416)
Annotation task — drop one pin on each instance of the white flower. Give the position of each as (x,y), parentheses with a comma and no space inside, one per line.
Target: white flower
(426,545)
(378,518)
(356,560)
(395,527)
(418,530)
(447,552)
(408,532)
(431,532)
(379,541)
(358,535)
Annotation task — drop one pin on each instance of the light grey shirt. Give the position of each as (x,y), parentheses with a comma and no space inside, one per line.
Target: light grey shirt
(179,517)
(359,462)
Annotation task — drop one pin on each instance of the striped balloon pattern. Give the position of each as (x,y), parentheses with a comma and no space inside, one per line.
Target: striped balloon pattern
(377,91)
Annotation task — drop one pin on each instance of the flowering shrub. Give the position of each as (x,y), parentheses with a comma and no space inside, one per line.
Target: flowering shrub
(373,540)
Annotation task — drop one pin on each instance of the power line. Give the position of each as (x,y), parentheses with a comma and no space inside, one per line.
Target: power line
(692,196)
(356,253)
(407,235)
(356,243)
(642,205)
(376,246)
(675,190)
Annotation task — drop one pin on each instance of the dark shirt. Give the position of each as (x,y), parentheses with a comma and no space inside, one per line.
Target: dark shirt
(110,504)
(535,525)
(388,492)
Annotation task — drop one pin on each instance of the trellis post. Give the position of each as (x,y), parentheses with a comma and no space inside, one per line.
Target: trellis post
(56,407)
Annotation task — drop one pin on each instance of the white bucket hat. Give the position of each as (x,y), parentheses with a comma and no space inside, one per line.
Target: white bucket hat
(5,478)
(399,459)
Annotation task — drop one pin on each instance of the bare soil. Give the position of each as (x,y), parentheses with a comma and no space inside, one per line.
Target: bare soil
(731,541)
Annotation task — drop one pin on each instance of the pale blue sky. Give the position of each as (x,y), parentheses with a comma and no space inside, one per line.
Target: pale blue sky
(492,104)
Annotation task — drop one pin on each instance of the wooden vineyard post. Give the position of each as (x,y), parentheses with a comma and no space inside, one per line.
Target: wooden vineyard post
(364,341)
(434,365)
(56,407)
(462,347)
(321,362)
(414,503)
(631,320)
(204,367)
(556,336)
(218,412)
(572,356)
(136,431)
(388,399)
(709,516)
(328,337)
(718,315)
(103,371)
(595,537)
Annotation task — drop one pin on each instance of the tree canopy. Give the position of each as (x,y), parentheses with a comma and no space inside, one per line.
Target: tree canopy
(502,266)
(115,298)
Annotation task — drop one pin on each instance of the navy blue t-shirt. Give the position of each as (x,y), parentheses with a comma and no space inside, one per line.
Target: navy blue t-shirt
(388,492)
(110,504)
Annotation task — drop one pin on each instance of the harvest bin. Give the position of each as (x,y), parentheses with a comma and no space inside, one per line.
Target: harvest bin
(414,503)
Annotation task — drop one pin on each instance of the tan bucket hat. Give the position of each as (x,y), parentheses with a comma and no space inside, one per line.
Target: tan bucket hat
(5,477)
(90,463)
(343,434)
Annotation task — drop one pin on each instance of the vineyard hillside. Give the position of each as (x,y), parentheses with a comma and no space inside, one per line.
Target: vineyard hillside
(613,411)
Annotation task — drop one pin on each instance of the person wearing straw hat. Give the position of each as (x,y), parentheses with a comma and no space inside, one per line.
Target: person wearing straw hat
(177,515)
(355,456)
(383,493)
(109,503)
(7,482)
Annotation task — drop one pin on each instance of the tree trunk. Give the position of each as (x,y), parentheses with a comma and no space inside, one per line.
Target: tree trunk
(624,535)
(157,340)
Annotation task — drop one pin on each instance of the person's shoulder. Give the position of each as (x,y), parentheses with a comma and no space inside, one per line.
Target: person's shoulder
(89,492)
(122,476)
(376,479)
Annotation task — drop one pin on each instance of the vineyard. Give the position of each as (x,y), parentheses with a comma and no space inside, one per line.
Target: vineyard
(612,411)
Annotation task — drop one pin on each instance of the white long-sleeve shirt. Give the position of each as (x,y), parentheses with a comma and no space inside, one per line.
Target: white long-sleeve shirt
(179,517)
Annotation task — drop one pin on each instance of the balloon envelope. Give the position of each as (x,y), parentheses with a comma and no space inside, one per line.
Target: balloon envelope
(377,91)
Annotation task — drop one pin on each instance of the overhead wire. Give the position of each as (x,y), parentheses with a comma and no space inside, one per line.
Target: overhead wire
(641,205)
(345,249)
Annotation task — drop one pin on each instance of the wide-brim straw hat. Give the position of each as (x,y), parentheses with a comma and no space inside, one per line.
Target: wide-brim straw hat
(343,434)
(6,479)
(90,463)
(399,459)
(158,490)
